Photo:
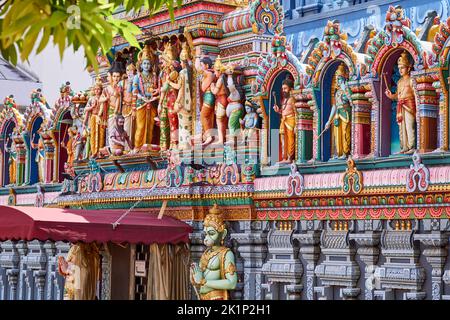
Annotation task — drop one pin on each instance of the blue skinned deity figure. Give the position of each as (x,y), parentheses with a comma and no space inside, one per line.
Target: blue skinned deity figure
(145,91)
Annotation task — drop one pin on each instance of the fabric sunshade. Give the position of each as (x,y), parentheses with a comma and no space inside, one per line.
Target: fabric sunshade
(72,225)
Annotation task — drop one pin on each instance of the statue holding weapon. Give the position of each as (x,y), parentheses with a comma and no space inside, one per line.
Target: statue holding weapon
(340,115)
(287,124)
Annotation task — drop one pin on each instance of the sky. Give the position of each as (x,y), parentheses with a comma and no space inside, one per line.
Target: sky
(53,73)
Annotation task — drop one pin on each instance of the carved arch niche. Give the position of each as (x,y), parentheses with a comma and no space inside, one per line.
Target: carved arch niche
(272,70)
(10,120)
(323,62)
(383,53)
(63,121)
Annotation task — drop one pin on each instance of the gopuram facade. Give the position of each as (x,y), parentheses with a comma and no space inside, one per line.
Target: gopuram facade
(325,144)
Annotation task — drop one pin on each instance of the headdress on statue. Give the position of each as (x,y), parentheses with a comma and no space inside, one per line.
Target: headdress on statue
(65,88)
(218,65)
(341,71)
(167,54)
(10,102)
(146,53)
(184,54)
(250,104)
(130,65)
(404,60)
(215,219)
(98,83)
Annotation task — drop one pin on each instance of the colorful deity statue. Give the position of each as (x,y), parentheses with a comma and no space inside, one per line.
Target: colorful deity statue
(112,96)
(220,90)
(287,124)
(10,148)
(118,139)
(250,120)
(168,118)
(216,274)
(341,114)
(38,101)
(235,110)
(81,270)
(406,106)
(128,101)
(203,66)
(66,93)
(40,154)
(93,121)
(9,102)
(183,103)
(70,144)
(145,90)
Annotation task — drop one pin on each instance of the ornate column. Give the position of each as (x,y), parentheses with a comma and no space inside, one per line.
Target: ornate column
(36,263)
(52,267)
(106,274)
(443,114)
(238,292)
(436,254)
(402,269)
(196,246)
(283,269)
(49,153)
(22,249)
(427,111)
(304,126)
(252,247)
(21,160)
(39,280)
(339,268)
(368,252)
(361,108)
(310,251)
(13,277)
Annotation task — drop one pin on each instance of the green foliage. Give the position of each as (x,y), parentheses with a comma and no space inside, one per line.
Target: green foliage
(27,26)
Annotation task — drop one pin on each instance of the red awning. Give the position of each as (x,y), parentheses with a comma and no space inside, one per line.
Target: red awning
(29,223)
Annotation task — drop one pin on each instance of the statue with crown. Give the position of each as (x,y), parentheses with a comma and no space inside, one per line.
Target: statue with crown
(216,273)
(341,114)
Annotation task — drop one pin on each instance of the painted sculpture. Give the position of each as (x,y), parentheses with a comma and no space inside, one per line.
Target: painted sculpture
(183,104)
(287,124)
(128,111)
(40,152)
(220,91)
(406,106)
(216,273)
(145,89)
(203,66)
(93,120)
(112,96)
(81,270)
(341,115)
(234,110)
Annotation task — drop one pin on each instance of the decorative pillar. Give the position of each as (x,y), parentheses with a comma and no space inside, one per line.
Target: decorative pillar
(402,269)
(310,251)
(283,252)
(304,126)
(22,249)
(427,111)
(252,247)
(196,246)
(21,159)
(436,254)
(368,252)
(39,280)
(361,108)
(13,277)
(375,149)
(443,115)
(106,273)
(49,153)
(52,267)
(339,267)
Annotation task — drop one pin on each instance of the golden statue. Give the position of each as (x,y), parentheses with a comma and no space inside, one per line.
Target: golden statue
(406,106)
(287,124)
(93,119)
(216,273)
(341,114)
